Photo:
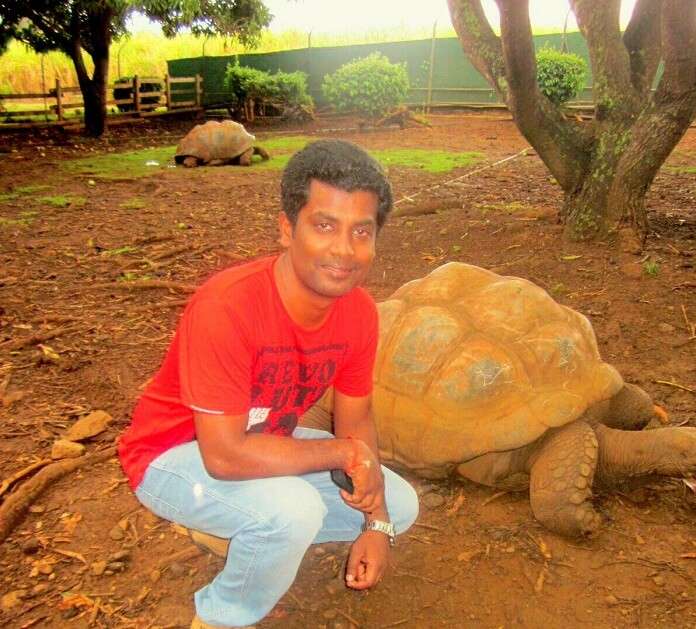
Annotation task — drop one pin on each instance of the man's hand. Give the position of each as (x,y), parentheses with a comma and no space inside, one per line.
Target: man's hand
(368,481)
(367,560)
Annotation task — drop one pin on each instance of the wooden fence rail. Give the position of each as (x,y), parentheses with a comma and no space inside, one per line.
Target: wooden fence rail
(176,94)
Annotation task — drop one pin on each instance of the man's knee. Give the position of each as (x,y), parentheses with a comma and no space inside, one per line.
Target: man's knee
(402,503)
(298,511)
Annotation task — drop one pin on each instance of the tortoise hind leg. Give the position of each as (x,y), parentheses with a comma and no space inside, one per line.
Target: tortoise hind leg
(245,158)
(560,483)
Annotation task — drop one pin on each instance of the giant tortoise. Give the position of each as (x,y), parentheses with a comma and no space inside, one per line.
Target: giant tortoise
(216,143)
(489,378)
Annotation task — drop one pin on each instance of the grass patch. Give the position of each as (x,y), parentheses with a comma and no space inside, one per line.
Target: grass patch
(30,189)
(129,276)
(515,207)
(430,161)
(681,170)
(62,200)
(25,219)
(21,191)
(281,149)
(129,165)
(119,251)
(133,204)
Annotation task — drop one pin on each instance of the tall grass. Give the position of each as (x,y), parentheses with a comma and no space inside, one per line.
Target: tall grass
(146,54)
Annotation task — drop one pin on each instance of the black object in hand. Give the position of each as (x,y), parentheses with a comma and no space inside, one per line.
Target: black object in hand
(342,480)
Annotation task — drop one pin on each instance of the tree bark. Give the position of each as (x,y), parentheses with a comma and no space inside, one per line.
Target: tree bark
(93,88)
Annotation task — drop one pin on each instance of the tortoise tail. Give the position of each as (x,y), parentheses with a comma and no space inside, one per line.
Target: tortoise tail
(262,152)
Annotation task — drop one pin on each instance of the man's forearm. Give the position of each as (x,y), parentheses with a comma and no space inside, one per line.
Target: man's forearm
(261,456)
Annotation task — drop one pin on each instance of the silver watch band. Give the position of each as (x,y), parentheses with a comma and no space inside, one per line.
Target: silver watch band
(381,527)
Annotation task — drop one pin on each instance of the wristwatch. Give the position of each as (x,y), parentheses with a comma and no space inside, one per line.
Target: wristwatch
(382,527)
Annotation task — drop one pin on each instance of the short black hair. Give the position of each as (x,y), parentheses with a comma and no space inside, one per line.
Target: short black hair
(338,163)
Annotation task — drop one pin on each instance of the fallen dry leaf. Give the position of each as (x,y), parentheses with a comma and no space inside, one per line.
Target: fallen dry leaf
(456,505)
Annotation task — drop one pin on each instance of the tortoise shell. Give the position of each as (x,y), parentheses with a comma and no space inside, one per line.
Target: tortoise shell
(470,362)
(215,141)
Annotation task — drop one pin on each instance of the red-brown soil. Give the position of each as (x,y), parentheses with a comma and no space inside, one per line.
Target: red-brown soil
(475,558)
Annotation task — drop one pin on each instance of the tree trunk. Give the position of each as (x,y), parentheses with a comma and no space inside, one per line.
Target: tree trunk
(94,96)
(93,89)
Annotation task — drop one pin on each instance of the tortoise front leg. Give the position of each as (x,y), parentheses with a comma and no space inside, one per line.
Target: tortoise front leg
(560,483)
(665,451)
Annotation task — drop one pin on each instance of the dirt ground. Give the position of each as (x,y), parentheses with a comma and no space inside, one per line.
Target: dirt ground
(88,555)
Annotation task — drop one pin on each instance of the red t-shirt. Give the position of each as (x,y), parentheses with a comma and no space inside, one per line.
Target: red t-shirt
(237,351)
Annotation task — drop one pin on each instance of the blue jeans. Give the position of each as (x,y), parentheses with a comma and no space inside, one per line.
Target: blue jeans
(271,522)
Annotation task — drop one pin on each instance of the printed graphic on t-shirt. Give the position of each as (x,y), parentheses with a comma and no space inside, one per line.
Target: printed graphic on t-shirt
(287,381)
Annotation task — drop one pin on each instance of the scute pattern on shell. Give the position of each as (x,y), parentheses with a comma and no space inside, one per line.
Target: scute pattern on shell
(215,140)
(470,362)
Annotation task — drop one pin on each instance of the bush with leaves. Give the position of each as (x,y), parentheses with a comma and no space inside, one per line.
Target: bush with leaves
(372,86)
(560,75)
(251,89)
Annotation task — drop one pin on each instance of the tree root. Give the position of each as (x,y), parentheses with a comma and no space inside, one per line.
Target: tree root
(17,503)
(11,480)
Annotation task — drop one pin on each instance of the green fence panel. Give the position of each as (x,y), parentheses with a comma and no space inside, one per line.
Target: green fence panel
(454,79)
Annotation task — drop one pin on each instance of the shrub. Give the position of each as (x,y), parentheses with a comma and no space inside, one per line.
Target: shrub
(250,89)
(290,88)
(560,75)
(371,86)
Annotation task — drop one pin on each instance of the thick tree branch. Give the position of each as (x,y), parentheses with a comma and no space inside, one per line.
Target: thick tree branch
(556,140)
(679,46)
(644,44)
(599,23)
(479,42)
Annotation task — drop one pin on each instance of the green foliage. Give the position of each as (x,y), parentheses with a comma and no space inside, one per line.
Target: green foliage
(371,86)
(282,88)
(560,75)
(651,268)
(72,26)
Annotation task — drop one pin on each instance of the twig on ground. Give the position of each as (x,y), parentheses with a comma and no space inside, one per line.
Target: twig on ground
(182,555)
(676,385)
(493,497)
(147,284)
(173,303)
(349,618)
(690,327)
(39,337)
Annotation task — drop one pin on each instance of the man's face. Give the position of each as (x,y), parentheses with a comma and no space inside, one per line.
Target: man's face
(332,245)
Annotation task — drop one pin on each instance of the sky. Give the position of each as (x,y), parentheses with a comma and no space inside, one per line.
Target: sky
(332,16)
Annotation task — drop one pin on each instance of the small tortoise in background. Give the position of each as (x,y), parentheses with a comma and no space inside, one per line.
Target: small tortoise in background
(216,143)
(488,377)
